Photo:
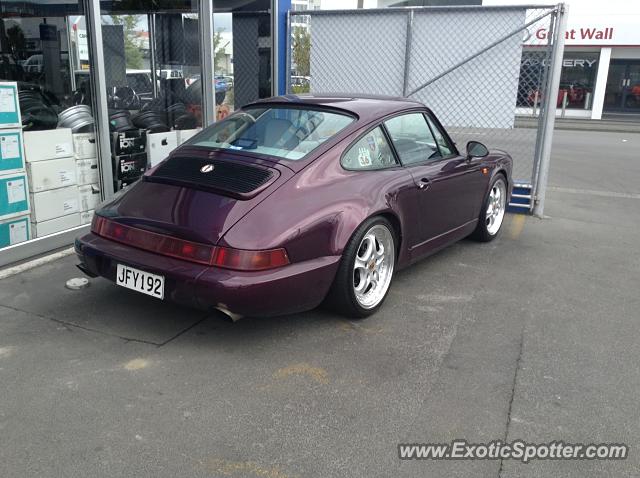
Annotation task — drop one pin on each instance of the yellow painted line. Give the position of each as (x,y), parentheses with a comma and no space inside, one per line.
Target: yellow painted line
(136,364)
(516,226)
(318,374)
(244,469)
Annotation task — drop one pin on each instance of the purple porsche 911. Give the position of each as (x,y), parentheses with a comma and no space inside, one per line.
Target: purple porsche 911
(294,201)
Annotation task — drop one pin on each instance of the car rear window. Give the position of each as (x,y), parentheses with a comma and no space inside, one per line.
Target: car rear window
(287,133)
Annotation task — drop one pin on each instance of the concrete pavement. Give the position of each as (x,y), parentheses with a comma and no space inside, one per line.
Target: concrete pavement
(533,336)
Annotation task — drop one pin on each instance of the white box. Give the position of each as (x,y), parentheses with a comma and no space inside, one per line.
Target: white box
(54,203)
(185,134)
(51,174)
(89,196)
(9,105)
(84,145)
(87,171)
(44,228)
(159,145)
(48,144)
(87,216)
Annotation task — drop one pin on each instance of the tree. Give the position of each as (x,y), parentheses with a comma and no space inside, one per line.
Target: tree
(132,51)
(301,50)
(17,41)
(220,59)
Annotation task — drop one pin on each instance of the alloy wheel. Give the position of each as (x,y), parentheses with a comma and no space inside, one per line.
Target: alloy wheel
(373,266)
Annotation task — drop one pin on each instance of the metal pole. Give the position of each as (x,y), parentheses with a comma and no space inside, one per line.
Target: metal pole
(535,102)
(407,52)
(549,120)
(207,55)
(564,102)
(151,20)
(288,55)
(70,54)
(99,98)
(275,41)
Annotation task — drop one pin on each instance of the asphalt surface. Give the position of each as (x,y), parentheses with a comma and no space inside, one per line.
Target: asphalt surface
(533,336)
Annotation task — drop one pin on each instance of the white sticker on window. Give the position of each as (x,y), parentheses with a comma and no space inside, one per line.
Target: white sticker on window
(17,232)
(364,157)
(9,147)
(16,192)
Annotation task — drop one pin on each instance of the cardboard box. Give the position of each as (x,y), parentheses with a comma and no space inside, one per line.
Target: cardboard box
(185,134)
(9,105)
(89,196)
(159,145)
(84,145)
(44,228)
(14,198)
(48,144)
(87,216)
(51,174)
(132,141)
(130,167)
(54,203)
(11,151)
(14,231)
(87,171)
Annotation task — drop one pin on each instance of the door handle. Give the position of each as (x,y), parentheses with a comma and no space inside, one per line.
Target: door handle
(424,183)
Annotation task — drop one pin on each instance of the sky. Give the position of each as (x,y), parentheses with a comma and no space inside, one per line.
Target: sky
(582,7)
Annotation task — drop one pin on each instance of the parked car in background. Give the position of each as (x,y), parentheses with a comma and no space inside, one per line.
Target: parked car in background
(292,201)
(221,86)
(300,84)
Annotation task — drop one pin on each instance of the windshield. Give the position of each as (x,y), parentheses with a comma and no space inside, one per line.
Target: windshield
(288,133)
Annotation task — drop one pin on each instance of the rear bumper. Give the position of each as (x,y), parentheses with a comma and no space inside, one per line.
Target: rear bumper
(294,288)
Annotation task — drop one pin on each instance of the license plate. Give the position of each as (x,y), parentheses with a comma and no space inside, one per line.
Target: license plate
(140,281)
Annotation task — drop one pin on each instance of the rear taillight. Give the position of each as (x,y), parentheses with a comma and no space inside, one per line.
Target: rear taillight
(224,257)
(242,260)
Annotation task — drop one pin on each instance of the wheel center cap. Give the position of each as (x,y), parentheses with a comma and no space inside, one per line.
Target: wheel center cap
(372,265)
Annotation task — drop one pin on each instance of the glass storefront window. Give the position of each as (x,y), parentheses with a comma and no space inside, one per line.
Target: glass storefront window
(53,146)
(48,169)
(577,80)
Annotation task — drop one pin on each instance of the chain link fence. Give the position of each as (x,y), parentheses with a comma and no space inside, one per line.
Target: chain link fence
(477,68)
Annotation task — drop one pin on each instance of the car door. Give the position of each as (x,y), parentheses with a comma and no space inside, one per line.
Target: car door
(382,179)
(446,181)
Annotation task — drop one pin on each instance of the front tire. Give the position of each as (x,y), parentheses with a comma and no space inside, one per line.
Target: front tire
(366,270)
(492,212)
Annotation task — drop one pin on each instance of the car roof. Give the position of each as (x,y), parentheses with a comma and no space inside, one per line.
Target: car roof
(364,106)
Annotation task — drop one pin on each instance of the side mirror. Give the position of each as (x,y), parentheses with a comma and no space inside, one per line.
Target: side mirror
(476,150)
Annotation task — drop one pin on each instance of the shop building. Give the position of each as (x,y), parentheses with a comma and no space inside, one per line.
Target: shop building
(92,93)
(601,67)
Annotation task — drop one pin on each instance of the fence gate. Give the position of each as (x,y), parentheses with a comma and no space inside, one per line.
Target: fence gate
(480,69)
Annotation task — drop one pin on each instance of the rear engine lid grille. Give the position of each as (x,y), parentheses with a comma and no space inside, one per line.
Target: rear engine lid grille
(232,178)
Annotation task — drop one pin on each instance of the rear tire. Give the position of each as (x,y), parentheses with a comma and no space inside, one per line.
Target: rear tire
(366,270)
(492,212)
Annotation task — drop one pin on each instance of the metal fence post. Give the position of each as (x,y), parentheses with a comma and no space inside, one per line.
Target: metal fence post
(407,52)
(207,55)
(549,120)
(100,110)
(288,55)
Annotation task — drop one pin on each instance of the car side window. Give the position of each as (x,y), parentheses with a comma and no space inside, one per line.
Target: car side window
(412,138)
(372,151)
(443,144)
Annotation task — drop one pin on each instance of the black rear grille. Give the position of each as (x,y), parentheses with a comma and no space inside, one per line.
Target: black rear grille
(226,176)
